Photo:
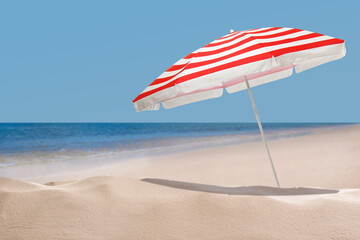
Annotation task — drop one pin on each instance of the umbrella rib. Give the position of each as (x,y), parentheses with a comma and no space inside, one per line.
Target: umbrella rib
(262,132)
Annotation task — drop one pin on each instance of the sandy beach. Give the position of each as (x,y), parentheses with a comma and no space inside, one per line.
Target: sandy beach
(225,192)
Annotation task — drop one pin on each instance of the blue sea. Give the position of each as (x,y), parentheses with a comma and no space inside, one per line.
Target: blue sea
(29,143)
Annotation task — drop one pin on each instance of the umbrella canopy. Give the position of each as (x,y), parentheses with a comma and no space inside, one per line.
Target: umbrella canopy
(262,55)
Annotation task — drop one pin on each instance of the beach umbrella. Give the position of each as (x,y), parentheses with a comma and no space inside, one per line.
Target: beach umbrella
(239,61)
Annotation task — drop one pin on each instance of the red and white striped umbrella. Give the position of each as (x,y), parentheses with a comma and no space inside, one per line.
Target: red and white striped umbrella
(238,61)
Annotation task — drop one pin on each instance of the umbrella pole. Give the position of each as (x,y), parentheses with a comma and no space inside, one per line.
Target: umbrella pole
(262,131)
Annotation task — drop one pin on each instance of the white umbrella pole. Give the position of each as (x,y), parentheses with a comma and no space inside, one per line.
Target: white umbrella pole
(262,131)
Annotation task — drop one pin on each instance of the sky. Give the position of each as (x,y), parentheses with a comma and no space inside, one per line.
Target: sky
(85,61)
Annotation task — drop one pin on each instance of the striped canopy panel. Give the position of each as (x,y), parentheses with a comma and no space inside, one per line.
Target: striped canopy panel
(263,55)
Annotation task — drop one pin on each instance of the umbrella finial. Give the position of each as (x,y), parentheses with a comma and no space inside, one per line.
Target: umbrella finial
(231,31)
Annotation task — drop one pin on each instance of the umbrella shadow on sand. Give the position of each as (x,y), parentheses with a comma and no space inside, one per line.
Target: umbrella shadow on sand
(246,190)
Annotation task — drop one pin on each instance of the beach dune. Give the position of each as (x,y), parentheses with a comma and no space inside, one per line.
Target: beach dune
(125,208)
(219,193)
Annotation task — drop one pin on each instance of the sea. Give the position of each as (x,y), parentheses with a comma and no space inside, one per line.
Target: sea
(41,143)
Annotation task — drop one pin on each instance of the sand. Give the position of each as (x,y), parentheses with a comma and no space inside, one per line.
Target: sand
(225,192)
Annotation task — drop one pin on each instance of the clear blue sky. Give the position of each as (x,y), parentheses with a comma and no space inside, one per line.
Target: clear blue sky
(85,61)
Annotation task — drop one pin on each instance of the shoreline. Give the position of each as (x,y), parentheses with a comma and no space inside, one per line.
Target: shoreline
(249,158)
(87,163)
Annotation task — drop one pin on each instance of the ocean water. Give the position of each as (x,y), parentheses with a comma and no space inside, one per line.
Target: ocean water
(29,143)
